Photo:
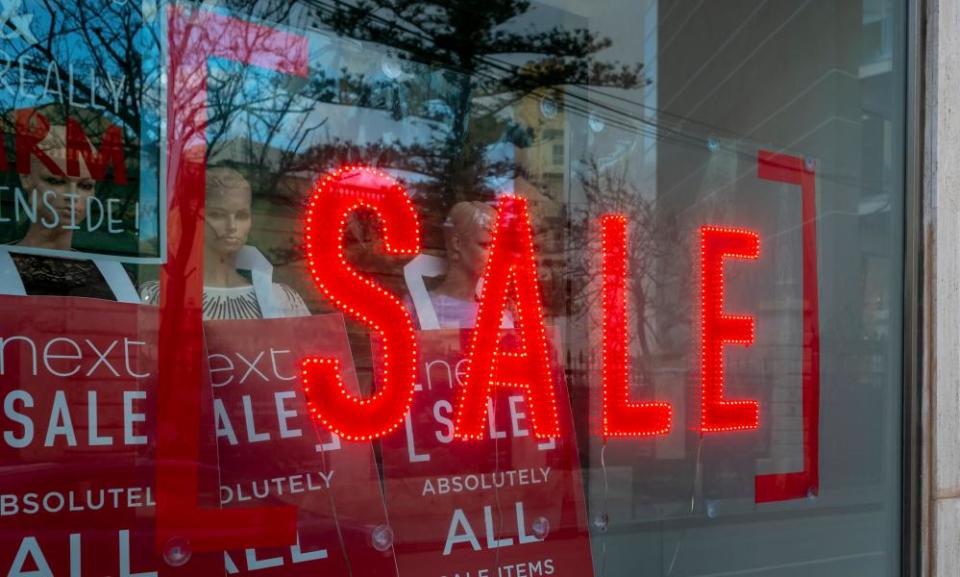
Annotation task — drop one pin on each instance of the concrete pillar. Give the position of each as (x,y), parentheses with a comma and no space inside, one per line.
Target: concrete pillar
(941,200)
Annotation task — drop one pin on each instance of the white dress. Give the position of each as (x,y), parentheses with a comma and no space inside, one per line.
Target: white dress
(236,302)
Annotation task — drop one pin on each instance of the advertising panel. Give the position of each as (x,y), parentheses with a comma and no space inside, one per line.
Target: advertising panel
(272,454)
(78,380)
(506,505)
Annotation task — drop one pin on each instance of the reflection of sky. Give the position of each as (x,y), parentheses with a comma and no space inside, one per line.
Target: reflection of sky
(500,152)
(69,46)
(267,99)
(406,103)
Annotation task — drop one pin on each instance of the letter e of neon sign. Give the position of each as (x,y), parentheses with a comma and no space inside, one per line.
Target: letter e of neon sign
(718,329)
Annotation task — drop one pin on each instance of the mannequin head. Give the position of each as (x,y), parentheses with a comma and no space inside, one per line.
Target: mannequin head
(69,193)
(467,233)
(228,212)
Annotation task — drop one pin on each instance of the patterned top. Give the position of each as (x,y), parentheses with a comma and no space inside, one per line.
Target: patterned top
(453,313)
(52,276)
(236,302)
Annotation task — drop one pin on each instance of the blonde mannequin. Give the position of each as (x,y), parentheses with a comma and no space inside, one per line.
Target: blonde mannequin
(467,235)
(61,206)
(226,293)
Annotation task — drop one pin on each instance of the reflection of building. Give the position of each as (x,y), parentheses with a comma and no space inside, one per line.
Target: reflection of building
(544,181)
(831,109)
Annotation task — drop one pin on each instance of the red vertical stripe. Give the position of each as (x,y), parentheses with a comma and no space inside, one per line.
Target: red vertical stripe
(800,484)
(195,36)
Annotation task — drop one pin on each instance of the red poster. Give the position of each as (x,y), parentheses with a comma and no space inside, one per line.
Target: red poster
(271,453)
(504,506)
(77,456)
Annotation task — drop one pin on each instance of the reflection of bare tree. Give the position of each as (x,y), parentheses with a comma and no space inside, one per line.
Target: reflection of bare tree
(658,261)
(86,61)
(106,37)
(468,64)
(490,65)
(274,124)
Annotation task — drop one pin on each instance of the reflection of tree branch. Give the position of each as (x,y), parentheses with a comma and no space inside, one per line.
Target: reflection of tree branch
(462,42)
(117,51)
(657,258)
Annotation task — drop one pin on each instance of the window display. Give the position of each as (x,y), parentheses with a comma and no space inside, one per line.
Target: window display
(516,289)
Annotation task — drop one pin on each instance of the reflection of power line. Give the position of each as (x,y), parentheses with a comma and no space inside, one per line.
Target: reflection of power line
(732,143)
(512,69)
(708,128)
(628,122)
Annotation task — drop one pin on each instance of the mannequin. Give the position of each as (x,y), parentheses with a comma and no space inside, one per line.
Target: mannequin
(65,188)
(61,206)
(467,235)
(227,294)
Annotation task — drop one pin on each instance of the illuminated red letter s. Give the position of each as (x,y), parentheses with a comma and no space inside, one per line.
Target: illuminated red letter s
(337,196)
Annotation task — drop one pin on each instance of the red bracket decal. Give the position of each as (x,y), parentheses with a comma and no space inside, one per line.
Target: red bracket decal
(511,271)
(718,329)
(194,37)
(621,416)
(338,195)
(801,484)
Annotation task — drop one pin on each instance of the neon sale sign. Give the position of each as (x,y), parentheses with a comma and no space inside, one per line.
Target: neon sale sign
(510,282)
(511,279)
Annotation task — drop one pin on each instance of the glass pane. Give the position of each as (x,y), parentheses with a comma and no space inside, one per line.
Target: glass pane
(502,289)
